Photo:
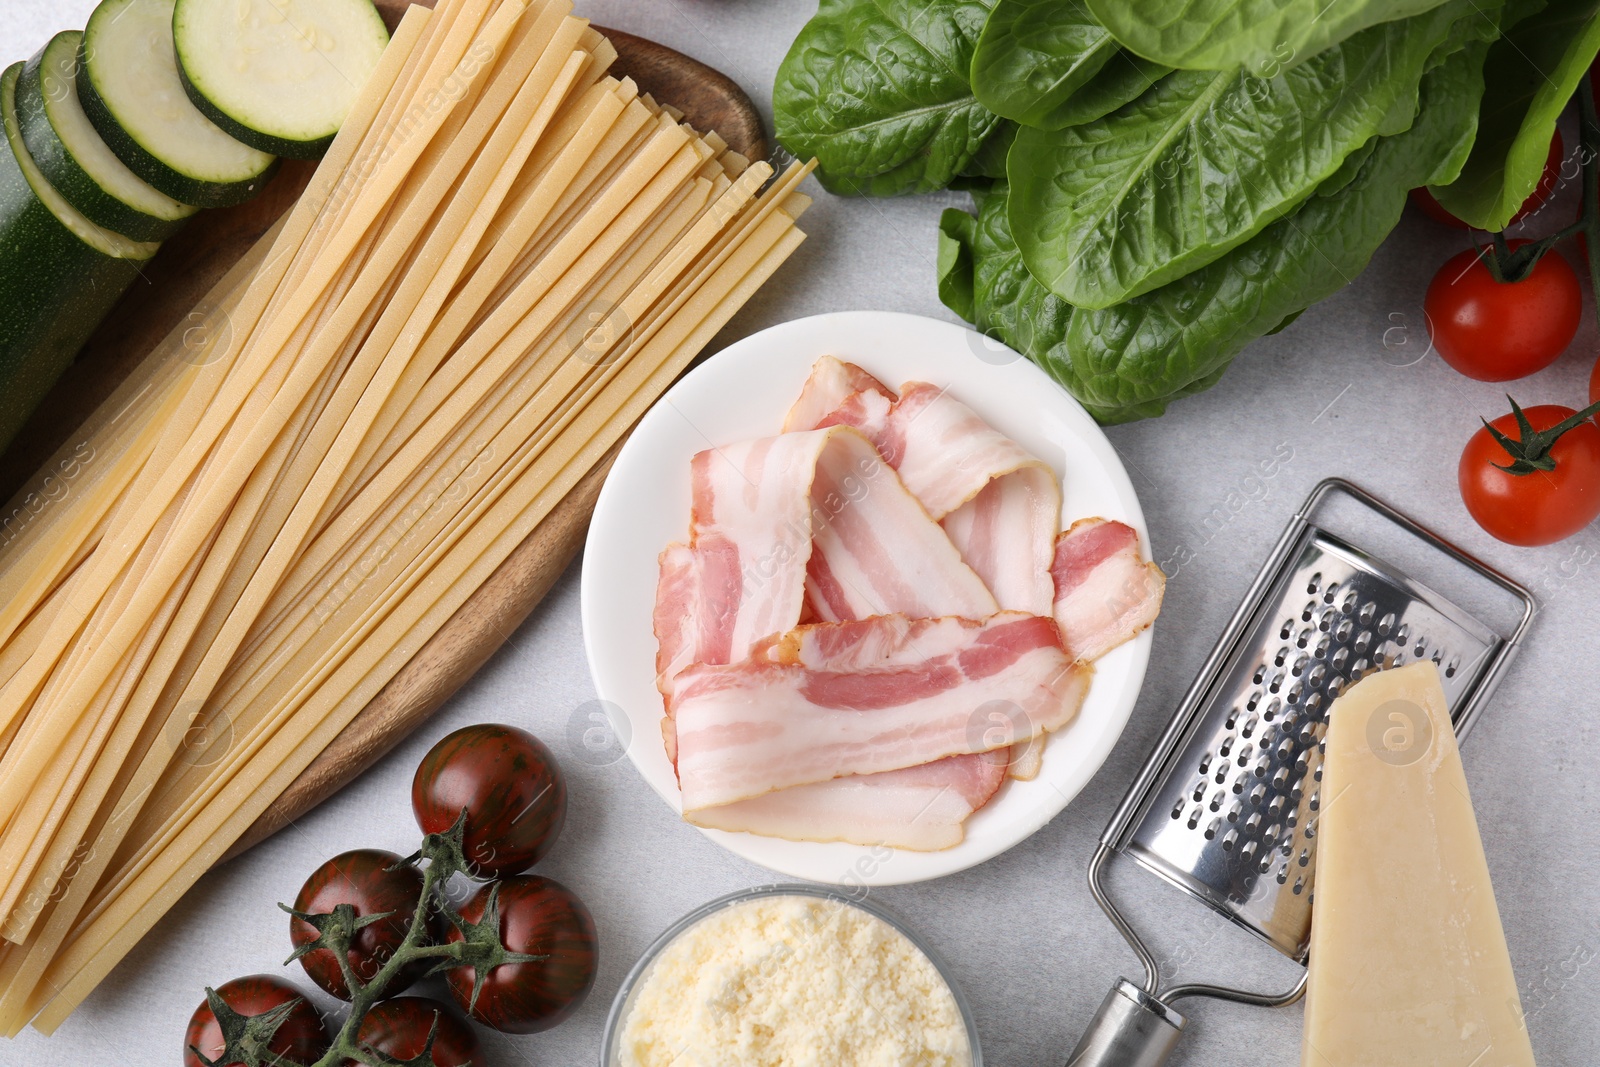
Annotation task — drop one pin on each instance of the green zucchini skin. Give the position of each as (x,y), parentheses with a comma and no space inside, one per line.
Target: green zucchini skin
(64,172)
(55,288)
(278,146)
(181,187)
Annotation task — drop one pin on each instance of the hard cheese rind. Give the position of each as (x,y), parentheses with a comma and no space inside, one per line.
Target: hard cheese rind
(1409,966)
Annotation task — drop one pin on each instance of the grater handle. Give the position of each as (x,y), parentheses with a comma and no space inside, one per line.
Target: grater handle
(1131,1029)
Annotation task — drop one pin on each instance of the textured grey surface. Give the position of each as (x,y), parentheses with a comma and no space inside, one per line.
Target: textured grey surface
(1033,953)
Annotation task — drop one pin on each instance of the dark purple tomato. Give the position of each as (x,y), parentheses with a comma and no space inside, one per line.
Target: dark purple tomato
(400,1028)
(360,878)
(539,917)
(510,786)
(300,1039)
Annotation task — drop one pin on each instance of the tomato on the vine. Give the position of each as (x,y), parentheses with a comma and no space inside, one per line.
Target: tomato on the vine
(541,917)
(363,879)
(1497,331)
(300,1038)
(510,786)
(1541,506)
(1430,206)
(399,1028)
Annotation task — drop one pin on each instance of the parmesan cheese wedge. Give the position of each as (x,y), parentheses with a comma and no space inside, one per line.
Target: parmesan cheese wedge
(1409,966)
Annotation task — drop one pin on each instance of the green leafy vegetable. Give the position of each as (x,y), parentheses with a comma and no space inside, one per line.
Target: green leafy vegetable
(1204,161)
(1532,73)
(1262,36)
(1034,55)
(1129,361)
(1123,79)
(877,91)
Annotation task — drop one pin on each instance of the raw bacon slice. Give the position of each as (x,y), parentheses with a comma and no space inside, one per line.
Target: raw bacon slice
(808,709)
(875,550)
(1105,593)
(1006,534)
(1000,505)
(831,383)
(919,808)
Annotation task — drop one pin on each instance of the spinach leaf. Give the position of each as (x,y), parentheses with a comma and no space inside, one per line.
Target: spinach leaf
(1123,79)
(1204,161)
(1532,72)
(1034,55)
(957,231)
(1129,361)
(1263,36)
(877,91)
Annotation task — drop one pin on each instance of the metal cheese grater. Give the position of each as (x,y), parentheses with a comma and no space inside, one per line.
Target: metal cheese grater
(1225,808)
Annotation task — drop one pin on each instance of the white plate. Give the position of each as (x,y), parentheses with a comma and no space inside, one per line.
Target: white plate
(742,392)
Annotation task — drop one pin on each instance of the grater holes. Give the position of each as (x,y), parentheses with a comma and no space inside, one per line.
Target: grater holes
(1275,808)
(1402,635)
(1216,801)
(1249,726)
(1292,820)
(1454,665)
(1305,638)
(1296,691)
(1194,817)
(1285,750)
(1245,753)
(1313,703)
(1363,642)
(1361,668)
(1386,625)
(1270,712)
(1318,675)
(1305,857)
(1308,611)
(1342,632)
(1368,612)
(1315,583)
(1261,673)
(1316,800)
(1277,682)
(1299,665)
(1283,874)
(1226,748)
(1261,767)
(1247,852)
(1177,810)
(1233,811)
(1337,684)
(1438,657)
(1331,592)
(1287,629)
(1421,647)
(1322,648)
(1229,840)
(1283,654)
(1199,792)
(1299,885)
(1252,824)
(1280,778)
(1340,658)
(1349,603)
(1257,793)
(1205,761)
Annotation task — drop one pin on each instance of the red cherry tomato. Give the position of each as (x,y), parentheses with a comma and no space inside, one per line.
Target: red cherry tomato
(510,786)
(540,917)
(301,1038)
(400,1029)
(1497,331)
(361,879)
(1542,192)
(1538,508)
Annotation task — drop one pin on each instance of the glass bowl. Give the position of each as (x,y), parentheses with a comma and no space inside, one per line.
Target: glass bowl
(618,1017)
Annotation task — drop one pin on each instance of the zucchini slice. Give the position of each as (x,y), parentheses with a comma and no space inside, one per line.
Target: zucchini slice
(59,274)
(129,85)
(279,75)
(74,158)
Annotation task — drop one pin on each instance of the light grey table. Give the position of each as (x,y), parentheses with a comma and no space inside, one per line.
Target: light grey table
(1342,391)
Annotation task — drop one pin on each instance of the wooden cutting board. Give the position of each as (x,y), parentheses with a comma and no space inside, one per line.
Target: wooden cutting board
(185,270)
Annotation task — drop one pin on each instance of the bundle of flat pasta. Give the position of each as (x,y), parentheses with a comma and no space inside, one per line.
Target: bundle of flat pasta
(504,258)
